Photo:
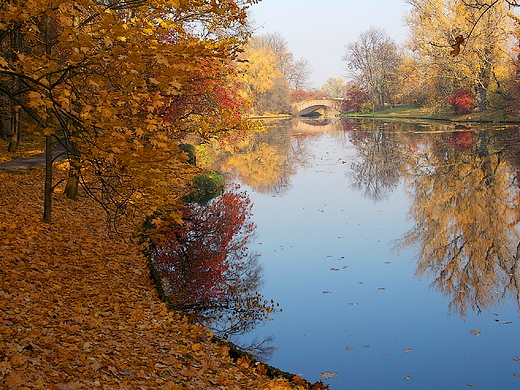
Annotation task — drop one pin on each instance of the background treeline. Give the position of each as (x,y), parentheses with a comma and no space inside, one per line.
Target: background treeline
(461,54)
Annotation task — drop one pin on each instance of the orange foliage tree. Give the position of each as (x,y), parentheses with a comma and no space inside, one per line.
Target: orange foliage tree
(102,77)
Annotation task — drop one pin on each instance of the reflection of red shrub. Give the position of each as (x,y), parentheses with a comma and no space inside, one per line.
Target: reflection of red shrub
(461,141)
(462,101)
(199,254)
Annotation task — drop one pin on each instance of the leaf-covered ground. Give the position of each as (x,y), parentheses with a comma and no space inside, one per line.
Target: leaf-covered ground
(78,309)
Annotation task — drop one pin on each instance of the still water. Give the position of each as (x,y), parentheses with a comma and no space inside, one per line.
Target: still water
(391,249)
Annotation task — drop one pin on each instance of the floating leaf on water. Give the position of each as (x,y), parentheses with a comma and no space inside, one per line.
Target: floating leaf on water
(406,349)
(475,332)
(328,374)
(349,348)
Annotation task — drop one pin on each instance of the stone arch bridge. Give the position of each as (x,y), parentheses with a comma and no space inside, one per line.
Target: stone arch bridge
(306,107)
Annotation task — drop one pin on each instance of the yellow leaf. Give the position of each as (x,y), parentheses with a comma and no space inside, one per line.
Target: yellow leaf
(14,379)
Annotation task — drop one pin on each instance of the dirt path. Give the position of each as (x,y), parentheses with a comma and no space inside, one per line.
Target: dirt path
(36,161)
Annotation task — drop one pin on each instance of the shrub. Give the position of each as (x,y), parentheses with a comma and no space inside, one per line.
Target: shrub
(462,101)
(354,100)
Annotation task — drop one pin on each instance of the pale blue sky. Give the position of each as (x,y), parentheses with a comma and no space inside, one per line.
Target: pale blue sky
(319,30)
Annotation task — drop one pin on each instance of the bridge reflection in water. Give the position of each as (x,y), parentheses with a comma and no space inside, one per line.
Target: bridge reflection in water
(309,126)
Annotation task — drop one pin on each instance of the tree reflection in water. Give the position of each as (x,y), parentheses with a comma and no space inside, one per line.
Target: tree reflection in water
(206,269)
(464,205)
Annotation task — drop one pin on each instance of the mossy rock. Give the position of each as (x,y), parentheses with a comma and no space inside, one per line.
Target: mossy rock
(206,187)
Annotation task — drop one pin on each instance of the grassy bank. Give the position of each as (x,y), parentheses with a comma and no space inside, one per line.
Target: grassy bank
(446,114)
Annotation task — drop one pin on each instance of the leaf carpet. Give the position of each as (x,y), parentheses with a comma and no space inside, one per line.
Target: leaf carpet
(78,309)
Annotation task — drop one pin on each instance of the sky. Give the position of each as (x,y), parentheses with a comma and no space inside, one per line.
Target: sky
(319,30)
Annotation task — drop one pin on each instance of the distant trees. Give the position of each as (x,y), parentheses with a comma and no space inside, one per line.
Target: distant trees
(373,61)
(354,99)
(296,71)
(334,88)
(301,95)
(461,44)
(270,72)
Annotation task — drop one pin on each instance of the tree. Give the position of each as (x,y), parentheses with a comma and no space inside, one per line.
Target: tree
(334,88)
(354,99)
(462,101)
(101,77)
(269,72)
(296,72)
(373,62)
(461,44)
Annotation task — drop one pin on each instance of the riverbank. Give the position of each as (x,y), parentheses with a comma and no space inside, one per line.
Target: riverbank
(79,309)
(447,115)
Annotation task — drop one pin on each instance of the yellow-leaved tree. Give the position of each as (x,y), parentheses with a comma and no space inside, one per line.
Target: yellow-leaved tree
(461,44)
(111,81)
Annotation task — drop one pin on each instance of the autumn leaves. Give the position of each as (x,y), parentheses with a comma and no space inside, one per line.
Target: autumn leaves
(123,83)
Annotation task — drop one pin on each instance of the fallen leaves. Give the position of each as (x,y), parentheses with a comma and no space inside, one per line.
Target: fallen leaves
(79,310)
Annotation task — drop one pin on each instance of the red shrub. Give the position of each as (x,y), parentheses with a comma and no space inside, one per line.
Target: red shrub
(354,99)
(462,101)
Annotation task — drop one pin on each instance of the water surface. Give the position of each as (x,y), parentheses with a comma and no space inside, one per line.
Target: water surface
(391,249)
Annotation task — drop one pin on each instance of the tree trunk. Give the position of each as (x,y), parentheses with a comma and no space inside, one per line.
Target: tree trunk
(14,131)
(13,134)
(71,188)
(47,201)
(47,197)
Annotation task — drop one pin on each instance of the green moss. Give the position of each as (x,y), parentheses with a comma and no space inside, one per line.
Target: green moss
(205,187)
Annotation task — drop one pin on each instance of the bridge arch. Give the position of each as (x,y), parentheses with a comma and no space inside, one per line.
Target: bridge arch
(303,108)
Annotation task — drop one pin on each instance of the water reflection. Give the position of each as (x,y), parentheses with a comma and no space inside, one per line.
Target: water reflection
(380,167)
(464,205)
(462,182)
(262,160)
(206,269)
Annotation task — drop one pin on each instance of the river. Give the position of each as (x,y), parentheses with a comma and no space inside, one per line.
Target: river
(390,248)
